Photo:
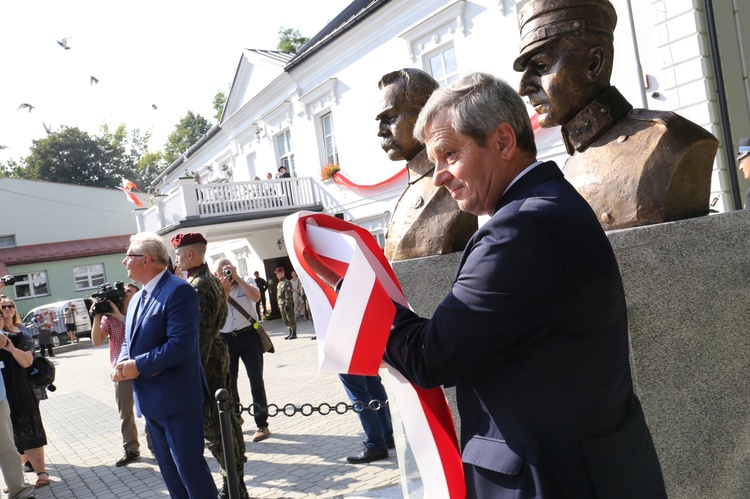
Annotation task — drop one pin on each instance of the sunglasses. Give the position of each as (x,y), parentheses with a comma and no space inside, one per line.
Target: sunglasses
(8,306)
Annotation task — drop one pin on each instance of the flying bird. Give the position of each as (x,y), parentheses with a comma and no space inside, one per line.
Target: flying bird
(3,147)
(47,128)
(154,106)
(64,43)
(25,106)
(93,79)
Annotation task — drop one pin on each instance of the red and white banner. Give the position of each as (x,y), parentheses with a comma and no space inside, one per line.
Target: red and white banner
(130,189)
(353,327)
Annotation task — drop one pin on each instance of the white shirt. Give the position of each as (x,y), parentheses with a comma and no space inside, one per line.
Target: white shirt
(235,319)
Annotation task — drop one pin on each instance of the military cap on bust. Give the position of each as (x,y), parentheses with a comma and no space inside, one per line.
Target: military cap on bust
(188,238)
(542,21)
(278,269)
(743,149)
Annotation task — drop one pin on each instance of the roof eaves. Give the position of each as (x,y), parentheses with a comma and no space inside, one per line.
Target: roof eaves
(347,19)
(191,150)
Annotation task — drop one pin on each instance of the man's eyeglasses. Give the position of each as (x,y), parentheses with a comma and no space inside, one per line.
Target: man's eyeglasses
(7,306)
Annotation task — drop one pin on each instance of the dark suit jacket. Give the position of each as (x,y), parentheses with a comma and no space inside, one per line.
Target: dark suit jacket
(534,337)
(163,338)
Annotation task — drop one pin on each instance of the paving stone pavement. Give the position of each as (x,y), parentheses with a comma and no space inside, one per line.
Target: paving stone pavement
(304,457)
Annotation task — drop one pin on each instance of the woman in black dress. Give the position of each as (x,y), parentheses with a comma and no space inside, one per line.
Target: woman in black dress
(28,430)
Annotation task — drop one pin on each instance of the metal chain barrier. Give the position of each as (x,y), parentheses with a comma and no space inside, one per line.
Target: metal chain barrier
(323,409)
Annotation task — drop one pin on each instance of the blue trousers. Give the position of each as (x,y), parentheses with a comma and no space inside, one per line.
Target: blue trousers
(377,424)
(178,446)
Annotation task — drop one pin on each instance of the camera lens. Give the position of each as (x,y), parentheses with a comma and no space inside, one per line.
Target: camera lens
(227,272)
(8,280)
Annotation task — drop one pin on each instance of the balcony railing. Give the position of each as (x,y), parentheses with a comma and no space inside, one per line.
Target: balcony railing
(190,201)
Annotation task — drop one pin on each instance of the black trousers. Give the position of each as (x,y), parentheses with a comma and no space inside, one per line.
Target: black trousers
(259,302)
(245,345)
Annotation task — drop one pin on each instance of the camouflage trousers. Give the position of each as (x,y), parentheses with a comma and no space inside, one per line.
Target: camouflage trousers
(217,375)
(287,313)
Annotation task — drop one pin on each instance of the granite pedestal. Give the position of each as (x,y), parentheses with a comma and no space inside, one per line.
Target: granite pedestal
(687,285)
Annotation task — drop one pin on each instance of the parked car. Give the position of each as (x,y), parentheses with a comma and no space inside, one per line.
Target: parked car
(54,314)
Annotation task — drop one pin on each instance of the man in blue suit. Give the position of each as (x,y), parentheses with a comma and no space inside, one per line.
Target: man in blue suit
(534,332)
(161,355)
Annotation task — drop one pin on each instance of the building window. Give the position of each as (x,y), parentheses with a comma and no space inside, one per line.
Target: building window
(442,65)
(31,285)
(379,236)
(8,241)
(284,148)
(89,276)
(329,140)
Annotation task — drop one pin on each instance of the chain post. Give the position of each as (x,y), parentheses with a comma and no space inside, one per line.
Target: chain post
(222,400)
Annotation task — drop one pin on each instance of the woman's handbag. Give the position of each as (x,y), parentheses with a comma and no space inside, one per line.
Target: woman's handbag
(42,372)
(265,340)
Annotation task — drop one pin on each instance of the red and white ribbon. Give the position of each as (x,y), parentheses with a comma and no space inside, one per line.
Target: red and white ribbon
(353,328)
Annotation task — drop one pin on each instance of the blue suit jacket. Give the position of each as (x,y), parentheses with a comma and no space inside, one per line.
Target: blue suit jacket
(534,337)
(163,338)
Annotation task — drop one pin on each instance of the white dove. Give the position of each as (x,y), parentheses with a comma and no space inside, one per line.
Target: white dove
(64,43)
(93,79)
(25,106)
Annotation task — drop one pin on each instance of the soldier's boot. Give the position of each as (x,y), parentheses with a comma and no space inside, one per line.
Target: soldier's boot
(293,336)
(224,493)
(289,336)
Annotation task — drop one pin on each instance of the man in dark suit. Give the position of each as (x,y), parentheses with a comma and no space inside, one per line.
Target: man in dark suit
(161,355)
(534,332)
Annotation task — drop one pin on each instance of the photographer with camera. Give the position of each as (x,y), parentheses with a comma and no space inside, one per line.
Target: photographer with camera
(109,322)
(243,341)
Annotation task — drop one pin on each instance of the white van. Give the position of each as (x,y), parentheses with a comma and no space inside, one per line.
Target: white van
(54,313)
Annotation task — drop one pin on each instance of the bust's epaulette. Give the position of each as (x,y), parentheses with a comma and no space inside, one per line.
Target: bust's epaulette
(662,117)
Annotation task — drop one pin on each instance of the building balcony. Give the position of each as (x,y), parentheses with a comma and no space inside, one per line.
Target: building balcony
(190,204)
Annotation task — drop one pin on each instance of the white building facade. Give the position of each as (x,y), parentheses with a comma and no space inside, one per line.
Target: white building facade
(318,107)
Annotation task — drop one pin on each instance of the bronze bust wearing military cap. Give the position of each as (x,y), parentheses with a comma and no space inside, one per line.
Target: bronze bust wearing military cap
(633,166)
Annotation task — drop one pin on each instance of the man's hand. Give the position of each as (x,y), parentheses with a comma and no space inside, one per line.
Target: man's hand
(125,371)
(227,280)
(115,312)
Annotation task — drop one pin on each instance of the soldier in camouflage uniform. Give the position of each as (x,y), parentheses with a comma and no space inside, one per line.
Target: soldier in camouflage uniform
(190,250)
(285,298)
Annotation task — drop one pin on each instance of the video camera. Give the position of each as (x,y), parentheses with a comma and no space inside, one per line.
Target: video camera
(108,292)
(8,280)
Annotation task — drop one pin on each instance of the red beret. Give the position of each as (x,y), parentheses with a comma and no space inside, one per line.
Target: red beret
(279,269)
(181,240)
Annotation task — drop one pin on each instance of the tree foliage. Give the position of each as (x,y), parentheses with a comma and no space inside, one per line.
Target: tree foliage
(220,99)
(290,40)
(187,132)
(72,156)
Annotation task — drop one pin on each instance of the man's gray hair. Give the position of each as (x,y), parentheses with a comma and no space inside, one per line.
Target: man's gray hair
(221,262)
(150,244)
(476,105)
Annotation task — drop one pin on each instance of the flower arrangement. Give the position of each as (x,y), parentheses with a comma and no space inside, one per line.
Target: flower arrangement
(328,171)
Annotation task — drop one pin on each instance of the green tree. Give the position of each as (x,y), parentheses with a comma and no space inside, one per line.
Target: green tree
(290,40)
(187,132)
(220,99)
(72,156)
(12,169)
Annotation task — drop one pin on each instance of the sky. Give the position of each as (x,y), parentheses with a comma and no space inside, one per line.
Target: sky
(175,55)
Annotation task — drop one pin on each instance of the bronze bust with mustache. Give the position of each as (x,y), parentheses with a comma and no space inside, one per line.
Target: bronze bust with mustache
(426,221)
(633,166)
